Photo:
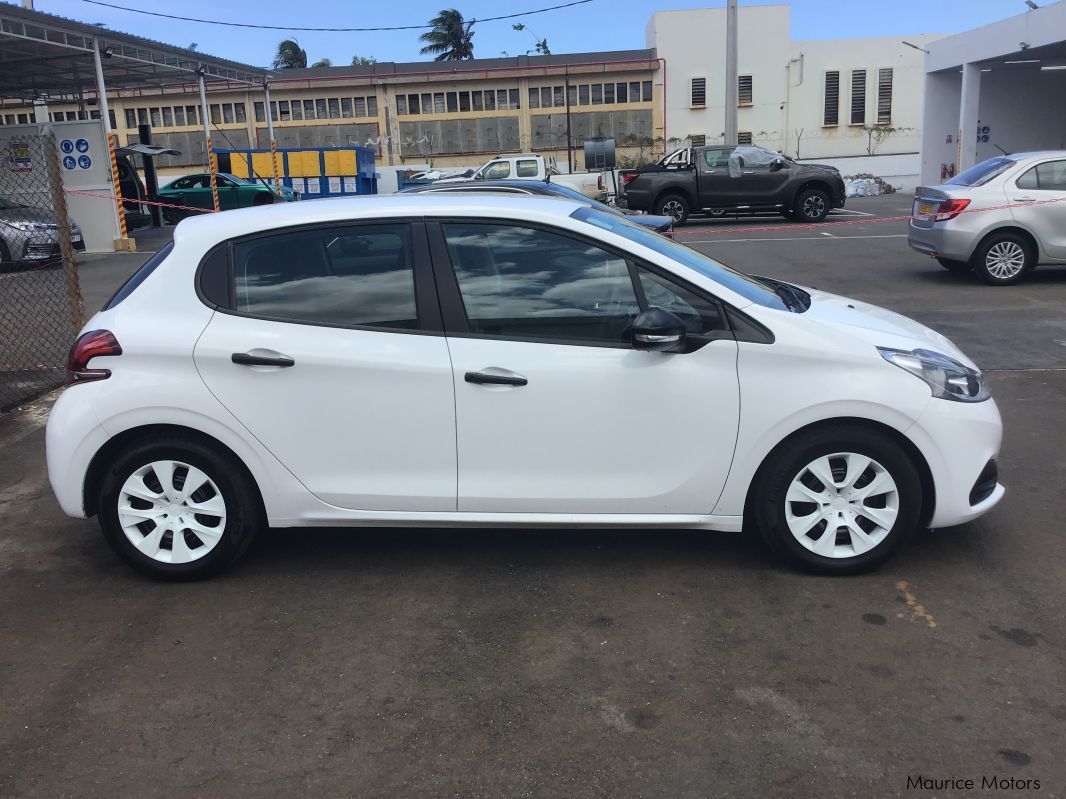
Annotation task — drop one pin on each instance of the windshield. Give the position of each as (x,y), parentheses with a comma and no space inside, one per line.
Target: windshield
(983,172)
(745,286)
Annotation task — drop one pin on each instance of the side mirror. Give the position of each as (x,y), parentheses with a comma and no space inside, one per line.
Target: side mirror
(777,164)
(657,330)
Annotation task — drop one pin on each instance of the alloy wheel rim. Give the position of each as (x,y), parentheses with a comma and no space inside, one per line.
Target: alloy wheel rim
(1005,259)
(813,207)
(674,210)
(841,505)
(171,511)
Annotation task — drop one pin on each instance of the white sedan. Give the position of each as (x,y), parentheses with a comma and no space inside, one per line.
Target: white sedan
(495,361)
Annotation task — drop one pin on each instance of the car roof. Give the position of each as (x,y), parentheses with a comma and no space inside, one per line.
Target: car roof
(210,228)
(1037,154)
(536,186)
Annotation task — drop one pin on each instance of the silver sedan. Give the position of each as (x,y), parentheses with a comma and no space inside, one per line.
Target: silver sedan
(999,218)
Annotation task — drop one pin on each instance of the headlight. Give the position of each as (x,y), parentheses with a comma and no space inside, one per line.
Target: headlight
(948,378)
(28,226)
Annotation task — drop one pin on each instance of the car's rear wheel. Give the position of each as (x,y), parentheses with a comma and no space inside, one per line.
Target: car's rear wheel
(1003,259)
(674,206)
(811,205)
(955,266)
(177,509)
(837,500)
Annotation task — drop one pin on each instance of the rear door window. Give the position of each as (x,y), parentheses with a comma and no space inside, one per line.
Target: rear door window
(526,168)
(1050,176)
(355,276)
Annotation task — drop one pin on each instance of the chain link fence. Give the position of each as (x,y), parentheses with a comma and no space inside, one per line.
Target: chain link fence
(40,301)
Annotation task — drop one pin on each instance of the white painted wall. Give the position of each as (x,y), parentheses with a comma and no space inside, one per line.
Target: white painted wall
(788,82)
(1023,109)
(900,170)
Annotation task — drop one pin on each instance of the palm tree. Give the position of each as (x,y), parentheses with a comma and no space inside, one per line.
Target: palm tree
(290,55)
(451,39)
(323,62)
(363,61)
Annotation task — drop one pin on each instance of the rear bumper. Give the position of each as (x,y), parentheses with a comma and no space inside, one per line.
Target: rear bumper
(941,241)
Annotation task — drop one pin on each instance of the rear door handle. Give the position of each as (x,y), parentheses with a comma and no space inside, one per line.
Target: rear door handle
(749,172)
(487,378)
(247,359)
(1025,199)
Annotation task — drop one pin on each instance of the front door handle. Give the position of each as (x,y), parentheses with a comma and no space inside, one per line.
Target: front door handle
(749,172)
(1025,199)
(247,359)
(487,378)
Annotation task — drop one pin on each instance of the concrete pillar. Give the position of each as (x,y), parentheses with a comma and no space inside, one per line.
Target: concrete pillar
(968,115)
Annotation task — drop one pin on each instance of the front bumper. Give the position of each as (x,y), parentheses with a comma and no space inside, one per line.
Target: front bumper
(958,440)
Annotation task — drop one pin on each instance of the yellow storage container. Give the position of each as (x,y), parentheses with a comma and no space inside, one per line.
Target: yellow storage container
(238,164)
(263,166)
(304,164)
(340,162)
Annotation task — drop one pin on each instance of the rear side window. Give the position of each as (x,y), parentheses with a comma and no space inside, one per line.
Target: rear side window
(983,172)
(140,275)
(358,276)
(526,168)
(1047,177)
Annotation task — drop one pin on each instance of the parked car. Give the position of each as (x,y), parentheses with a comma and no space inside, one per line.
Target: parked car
(532,167)
(660,224)
(233,192)
(999,218)
(722,179)
(28,233)
(502,362)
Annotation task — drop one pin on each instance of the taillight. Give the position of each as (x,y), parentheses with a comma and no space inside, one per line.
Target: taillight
(949,209)
(94,344)
(629,177)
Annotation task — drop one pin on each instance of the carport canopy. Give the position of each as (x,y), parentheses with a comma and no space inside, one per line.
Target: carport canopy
(42,55)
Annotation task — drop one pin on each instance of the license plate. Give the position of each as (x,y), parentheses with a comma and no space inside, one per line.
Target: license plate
(75,237)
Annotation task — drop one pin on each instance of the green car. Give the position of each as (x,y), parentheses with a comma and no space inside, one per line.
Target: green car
(233,192)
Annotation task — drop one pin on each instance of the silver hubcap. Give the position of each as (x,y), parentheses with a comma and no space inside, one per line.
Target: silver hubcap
(171,511)
(674,209)
(841,505)
(813,207)
(1005,259)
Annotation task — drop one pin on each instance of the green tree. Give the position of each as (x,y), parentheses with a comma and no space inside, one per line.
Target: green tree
(541,47)
(323,62)
(363,61)
(290,55)
(451,39)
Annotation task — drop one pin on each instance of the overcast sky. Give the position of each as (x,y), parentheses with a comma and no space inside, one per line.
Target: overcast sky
(597,25)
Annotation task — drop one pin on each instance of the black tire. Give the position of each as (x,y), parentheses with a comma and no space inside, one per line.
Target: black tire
(787,463)
(811,205)
(243,506)
(1013,249)
(955,266)
(675,206)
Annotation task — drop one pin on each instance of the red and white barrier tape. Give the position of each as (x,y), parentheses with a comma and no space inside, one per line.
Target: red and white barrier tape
(139,202)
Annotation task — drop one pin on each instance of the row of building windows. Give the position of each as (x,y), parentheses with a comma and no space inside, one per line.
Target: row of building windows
(698,91)
(591,94)
(457,102)
(319,108)
(857,112)
(57,116)
(178,115)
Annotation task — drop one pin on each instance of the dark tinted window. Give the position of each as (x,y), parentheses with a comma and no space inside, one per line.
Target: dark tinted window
(360,275)
(139,276)
(983,172)
(699,314)
(532,284)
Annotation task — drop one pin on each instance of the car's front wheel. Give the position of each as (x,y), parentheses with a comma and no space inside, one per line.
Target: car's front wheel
(674,206)
(177,509)
(837,500)
(1003,259)
(811,205)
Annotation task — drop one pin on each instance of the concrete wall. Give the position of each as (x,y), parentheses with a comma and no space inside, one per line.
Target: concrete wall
(1023,110)
(939,147)
(901,169)
(788,82)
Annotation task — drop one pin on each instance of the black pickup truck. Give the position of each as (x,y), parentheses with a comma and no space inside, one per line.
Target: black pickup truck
(720,179)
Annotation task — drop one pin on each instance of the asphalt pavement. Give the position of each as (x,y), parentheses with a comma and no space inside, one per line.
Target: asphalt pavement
(460,663)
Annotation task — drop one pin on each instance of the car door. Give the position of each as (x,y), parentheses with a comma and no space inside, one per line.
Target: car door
(556,412)
(759,183)
(327,347)
(717,189)
(228,194)
(1039,200)
(196,192)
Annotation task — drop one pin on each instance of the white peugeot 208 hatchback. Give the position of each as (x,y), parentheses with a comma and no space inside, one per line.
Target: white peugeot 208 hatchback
(466,360)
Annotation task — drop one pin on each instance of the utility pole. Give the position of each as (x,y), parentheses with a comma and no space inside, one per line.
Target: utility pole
(731,72)
(569,141)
